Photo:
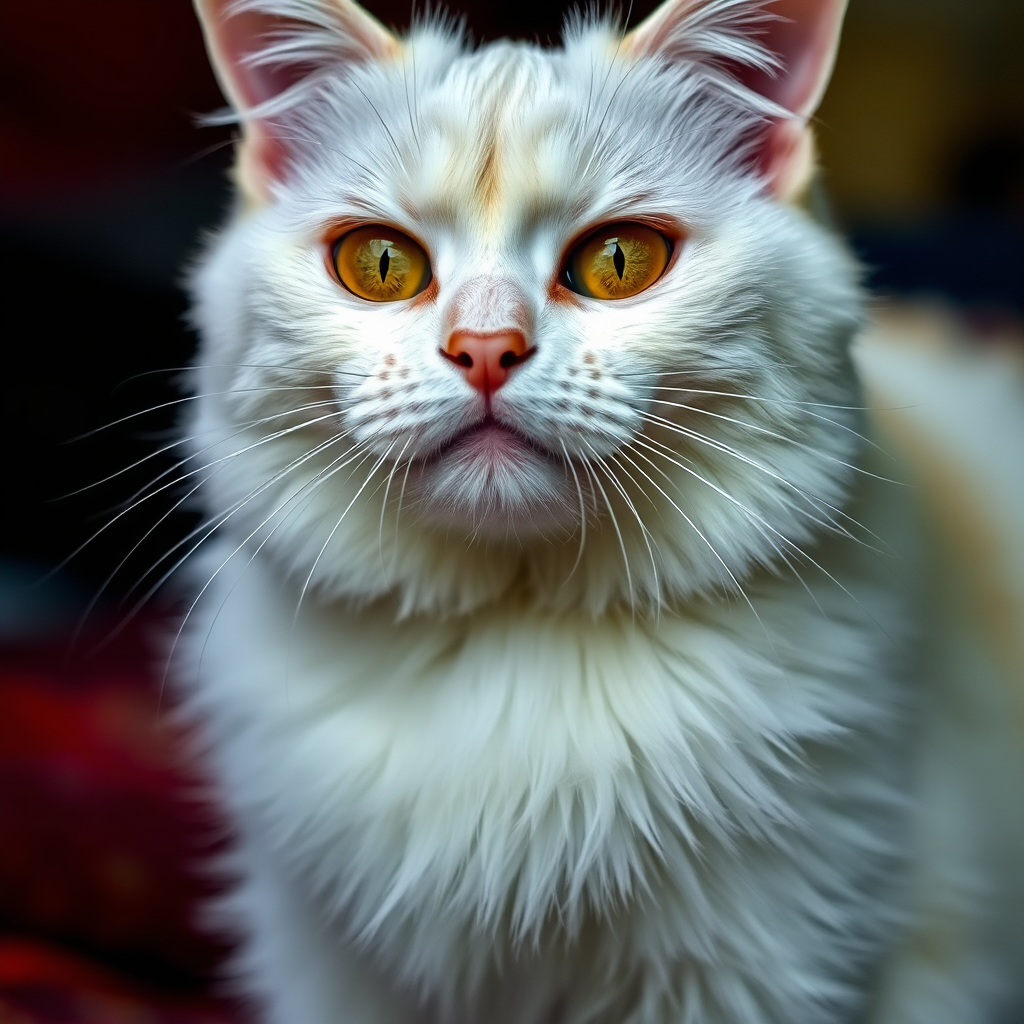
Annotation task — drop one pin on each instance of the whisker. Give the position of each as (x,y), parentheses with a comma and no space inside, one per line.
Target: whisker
(755,518)
(103,586)
(384,507)
(146,497)
(383,124)
(408,105)
(769,401)
(805,406)
(94,600)
(583,513)
(313,487)
(369,476)
(243,366)
(729,450)
(210,526)
(643,527)
(618,533)
(715,552)
(789,543)
(777,436)
(827,523)
(645,533)
(401,498)
(320,479)
(709,371)
(243,426)
(598,136)
(191,398)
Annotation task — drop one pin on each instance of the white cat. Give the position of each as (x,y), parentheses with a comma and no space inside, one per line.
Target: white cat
(551,654)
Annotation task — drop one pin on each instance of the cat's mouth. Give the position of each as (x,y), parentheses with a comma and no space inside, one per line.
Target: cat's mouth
(489,441)
(492,475)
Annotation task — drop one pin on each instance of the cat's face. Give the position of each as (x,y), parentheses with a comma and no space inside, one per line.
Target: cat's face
(516,315)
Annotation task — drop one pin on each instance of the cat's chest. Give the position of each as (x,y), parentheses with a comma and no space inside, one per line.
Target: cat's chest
(518,760)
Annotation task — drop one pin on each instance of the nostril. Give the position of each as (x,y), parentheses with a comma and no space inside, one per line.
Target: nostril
(487,359)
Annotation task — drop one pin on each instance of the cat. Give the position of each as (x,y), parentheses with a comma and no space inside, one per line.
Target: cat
(549,650)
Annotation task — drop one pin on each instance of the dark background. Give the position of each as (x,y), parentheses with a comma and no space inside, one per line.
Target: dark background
(107,185)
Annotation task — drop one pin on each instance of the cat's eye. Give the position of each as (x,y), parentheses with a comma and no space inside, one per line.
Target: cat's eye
(381,264)
(617,261)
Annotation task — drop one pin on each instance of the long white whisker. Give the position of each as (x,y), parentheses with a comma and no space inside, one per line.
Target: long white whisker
(272,367)
(714,551)
(190,398)
(645,533)
(155,526)
(757,428)
(384,506)
(314,486)
(210,526)
(756,519)
(172,483)
(369,476)
(383,124)
(618,533)
(583,513)
(721,446)
(830,524)
(806,407)
(766,401)
(398,510)
(781,499)
(408,105)
(790,544)
(729,450)
(242,428)
(827,523)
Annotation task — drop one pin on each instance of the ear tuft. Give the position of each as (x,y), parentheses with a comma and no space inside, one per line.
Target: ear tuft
(713,32)
(264,50)
(780,50)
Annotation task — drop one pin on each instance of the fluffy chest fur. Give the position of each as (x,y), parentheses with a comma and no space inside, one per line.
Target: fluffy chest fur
(514,783)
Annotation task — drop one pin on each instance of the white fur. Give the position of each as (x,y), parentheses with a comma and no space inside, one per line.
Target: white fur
(613,731)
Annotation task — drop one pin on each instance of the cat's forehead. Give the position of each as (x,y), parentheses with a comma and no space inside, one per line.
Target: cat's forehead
(498,140)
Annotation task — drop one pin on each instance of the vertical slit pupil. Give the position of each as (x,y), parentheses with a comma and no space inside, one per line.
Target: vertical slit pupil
(385,260)
(619,260)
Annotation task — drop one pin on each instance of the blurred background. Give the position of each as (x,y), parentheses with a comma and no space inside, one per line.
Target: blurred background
(107,186)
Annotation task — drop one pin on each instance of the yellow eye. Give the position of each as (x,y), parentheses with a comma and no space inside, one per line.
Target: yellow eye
(381,264)
(617,261)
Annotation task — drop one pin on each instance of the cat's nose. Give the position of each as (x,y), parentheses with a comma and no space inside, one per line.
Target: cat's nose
(487,359)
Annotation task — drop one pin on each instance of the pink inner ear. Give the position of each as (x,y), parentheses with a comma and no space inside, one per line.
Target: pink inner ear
(234,40)
(802,34)
(239,37)
(234,37)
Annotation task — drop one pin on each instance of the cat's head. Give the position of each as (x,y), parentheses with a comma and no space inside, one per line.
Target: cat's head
(510,317)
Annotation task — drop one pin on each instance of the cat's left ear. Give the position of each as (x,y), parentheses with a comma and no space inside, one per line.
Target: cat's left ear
(802,36)
(262,48)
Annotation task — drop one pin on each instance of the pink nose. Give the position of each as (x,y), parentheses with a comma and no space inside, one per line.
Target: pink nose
(487,359)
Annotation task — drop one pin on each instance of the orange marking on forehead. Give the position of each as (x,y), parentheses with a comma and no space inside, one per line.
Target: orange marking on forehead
(488,178)
(488,175)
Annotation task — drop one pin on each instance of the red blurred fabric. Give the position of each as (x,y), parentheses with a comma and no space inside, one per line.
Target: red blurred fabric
(40,984)
(105,844)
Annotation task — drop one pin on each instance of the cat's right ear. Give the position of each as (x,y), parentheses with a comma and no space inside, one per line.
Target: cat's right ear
(781,49)
(262,48)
